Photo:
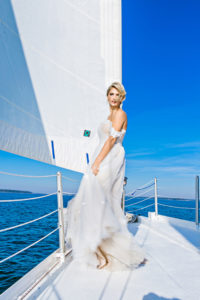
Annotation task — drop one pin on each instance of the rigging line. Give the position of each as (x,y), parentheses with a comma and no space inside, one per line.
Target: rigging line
(27,199)
(28,176)
(174,199)
(29,114)
(92,19)
(139,201)
(8,27)
(139,195)
(29,222)
(141,208)
(82,12)
(72,74)
(44,237)
(177,206)
(140,187)
(19,108)
(66,193)
(56,64)
(68,178)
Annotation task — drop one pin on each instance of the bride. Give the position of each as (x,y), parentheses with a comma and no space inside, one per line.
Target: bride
(96,226)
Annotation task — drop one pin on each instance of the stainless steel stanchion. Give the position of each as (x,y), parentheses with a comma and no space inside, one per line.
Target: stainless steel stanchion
(197,200)
(156,196)
(60,216)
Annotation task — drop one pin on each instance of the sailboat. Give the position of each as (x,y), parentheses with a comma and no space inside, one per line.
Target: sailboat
(57,58)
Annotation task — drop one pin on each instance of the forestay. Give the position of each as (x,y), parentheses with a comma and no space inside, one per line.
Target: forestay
(57,59)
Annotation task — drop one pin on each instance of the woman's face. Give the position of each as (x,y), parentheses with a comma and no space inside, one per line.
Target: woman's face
(114,98)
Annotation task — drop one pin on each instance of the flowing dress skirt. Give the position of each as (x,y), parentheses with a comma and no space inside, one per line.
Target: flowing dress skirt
(95,219)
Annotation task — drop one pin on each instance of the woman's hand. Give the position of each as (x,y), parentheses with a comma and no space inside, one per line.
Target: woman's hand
(95,168)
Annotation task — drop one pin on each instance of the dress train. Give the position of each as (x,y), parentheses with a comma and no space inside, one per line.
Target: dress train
(95,223)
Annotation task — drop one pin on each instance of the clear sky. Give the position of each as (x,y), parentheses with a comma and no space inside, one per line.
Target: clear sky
(161,73)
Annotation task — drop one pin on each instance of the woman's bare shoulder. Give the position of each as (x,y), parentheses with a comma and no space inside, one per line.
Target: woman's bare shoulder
(120,120)
(121,114)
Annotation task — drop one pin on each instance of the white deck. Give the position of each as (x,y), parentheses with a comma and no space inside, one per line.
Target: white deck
(172,272)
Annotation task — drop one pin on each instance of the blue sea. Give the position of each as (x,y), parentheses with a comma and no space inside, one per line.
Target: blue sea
(14,240)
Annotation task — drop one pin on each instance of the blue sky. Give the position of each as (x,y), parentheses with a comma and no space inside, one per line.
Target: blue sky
(161,73)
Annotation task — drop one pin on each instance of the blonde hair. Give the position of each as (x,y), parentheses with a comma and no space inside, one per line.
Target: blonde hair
(118,86)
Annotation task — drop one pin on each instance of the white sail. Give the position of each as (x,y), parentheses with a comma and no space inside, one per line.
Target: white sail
(56,60)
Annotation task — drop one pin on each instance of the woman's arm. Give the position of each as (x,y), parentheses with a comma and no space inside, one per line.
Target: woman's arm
(117,125)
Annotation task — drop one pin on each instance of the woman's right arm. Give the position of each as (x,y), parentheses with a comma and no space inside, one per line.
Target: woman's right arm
(117,124)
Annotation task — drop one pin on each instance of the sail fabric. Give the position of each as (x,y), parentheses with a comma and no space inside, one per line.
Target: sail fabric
(57,60)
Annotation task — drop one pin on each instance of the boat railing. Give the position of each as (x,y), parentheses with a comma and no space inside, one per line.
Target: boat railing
(59,210)
(129,203)
(143,190)
(151,187)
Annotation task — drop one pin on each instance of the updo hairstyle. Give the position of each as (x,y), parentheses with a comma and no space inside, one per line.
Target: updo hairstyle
(118,86)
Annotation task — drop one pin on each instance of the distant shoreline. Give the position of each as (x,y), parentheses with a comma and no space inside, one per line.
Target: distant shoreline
(177,198)
(167,198)
(14,191)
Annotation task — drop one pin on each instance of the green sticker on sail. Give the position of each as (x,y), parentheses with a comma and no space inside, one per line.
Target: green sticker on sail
(87,133)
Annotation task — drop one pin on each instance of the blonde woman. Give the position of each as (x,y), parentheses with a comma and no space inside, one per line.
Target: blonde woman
(96,225)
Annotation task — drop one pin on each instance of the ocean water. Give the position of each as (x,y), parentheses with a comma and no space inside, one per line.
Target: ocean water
(14,240)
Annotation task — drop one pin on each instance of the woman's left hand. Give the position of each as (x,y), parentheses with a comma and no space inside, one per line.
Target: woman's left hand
(95,169)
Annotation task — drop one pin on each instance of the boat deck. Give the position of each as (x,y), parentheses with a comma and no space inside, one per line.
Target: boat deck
(172,271)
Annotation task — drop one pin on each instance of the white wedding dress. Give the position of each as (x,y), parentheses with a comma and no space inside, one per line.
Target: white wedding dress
(94,217)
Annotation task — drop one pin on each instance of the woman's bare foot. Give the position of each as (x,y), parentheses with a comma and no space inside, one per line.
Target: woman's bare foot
(144,261)
(102,266)
(102,257)
(101,261)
